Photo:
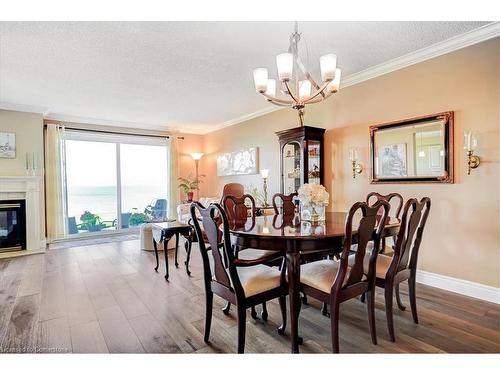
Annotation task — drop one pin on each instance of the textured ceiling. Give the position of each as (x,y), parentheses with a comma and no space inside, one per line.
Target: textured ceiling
(184,75)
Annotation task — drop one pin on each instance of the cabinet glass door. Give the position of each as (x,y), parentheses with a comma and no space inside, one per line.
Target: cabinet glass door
(314,165)
(292,173)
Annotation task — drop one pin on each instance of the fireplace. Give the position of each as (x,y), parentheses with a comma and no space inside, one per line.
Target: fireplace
(12,225)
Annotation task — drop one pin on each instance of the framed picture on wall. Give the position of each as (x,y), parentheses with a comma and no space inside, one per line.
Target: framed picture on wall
(7,145)
(240,162)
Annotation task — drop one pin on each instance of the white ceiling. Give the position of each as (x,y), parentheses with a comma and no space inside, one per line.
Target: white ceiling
(192,76)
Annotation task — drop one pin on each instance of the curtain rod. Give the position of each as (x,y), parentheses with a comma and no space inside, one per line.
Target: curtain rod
(111,131)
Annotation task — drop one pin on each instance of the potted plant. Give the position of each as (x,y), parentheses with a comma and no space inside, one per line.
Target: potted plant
(137,219)
(189,185)
(90,221)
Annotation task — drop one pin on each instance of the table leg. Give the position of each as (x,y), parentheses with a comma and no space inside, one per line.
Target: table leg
(293,264)
(155,246)
(188,245)
(165,252)
(176,248)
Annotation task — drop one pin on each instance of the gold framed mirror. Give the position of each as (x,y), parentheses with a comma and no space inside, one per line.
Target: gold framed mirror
(417,150)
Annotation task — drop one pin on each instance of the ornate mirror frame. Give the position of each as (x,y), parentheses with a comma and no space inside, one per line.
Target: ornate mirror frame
(446,178)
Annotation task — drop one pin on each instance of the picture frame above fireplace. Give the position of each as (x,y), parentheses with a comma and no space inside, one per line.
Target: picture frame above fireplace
(7,145)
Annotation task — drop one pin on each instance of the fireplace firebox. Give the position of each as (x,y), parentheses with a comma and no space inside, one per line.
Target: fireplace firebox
(12,225)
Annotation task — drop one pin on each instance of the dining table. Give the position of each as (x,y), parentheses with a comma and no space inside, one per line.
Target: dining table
(296,238)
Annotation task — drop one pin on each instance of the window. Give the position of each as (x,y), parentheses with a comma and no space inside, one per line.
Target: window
(114,182)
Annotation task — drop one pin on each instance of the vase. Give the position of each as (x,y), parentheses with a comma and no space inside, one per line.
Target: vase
(190,196)
(312,212)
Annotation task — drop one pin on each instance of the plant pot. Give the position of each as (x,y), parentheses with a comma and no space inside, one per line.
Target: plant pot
(190,196)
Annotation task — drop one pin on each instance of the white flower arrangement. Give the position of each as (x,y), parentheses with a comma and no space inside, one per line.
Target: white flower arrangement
(315,194)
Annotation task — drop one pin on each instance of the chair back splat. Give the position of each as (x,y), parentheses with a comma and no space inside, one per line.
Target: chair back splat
(287,204)
(369,228)
(408,241)
(236,209)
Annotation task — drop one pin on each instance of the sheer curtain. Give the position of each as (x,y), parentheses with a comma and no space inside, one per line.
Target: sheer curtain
(173,190)
(55,182)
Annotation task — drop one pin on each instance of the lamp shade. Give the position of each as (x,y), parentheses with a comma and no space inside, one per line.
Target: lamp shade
(196,155)
(271,87)
(260,77)
(264,173)
(328,64)
(334,85)
(284,62)
(304,89)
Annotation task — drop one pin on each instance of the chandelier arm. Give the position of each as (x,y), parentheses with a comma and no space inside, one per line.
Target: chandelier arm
(320,99)
(278,104)
(320,91)
(301,66)
(277,100)
(290,92)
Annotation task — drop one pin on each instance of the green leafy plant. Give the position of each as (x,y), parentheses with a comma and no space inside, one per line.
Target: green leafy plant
(90,221)
(137,219)
(190,183)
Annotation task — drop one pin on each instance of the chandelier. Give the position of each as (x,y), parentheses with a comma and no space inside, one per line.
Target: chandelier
(296,85)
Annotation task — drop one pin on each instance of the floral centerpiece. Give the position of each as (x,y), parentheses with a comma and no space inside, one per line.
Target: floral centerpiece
(313,199)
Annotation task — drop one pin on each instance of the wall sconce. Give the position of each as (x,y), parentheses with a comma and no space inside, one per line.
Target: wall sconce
(265,174)
(196,157)
(470,144)
(357,168)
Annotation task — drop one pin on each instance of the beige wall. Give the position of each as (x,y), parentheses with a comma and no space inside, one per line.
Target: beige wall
(462,239)
(28,128)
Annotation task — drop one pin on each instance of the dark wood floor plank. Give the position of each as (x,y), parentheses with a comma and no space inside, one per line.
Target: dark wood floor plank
(9,285)
(22,331)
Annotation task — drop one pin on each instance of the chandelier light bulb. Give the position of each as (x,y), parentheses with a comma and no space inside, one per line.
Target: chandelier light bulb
(334,85)
(284,62)
(304,89)
(260,77)
(271,87)
(328,64)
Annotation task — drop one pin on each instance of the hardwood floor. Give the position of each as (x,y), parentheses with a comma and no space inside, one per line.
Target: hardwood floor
(102,298)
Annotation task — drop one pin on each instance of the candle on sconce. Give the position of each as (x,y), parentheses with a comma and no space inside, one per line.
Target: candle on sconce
(353,154)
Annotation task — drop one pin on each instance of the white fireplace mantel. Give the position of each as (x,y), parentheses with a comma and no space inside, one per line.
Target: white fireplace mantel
(29,189)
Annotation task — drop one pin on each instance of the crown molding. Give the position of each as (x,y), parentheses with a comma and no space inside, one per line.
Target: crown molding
(23,108)
(237,120)
(455,43)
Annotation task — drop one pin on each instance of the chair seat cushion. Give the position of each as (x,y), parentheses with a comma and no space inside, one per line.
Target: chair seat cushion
(319,275)
(383,263)
(258,279)
(251,254)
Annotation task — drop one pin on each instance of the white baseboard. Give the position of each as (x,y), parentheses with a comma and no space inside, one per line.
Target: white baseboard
(467,288)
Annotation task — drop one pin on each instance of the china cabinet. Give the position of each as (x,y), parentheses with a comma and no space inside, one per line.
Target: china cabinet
(301,157)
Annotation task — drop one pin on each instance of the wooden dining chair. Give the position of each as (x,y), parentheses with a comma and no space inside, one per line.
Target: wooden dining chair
(244,283)
(334,282)
(395,208)
(402,264)
(238,211)
(287,204)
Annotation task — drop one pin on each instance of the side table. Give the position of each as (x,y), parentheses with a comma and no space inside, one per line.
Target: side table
(163,232)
